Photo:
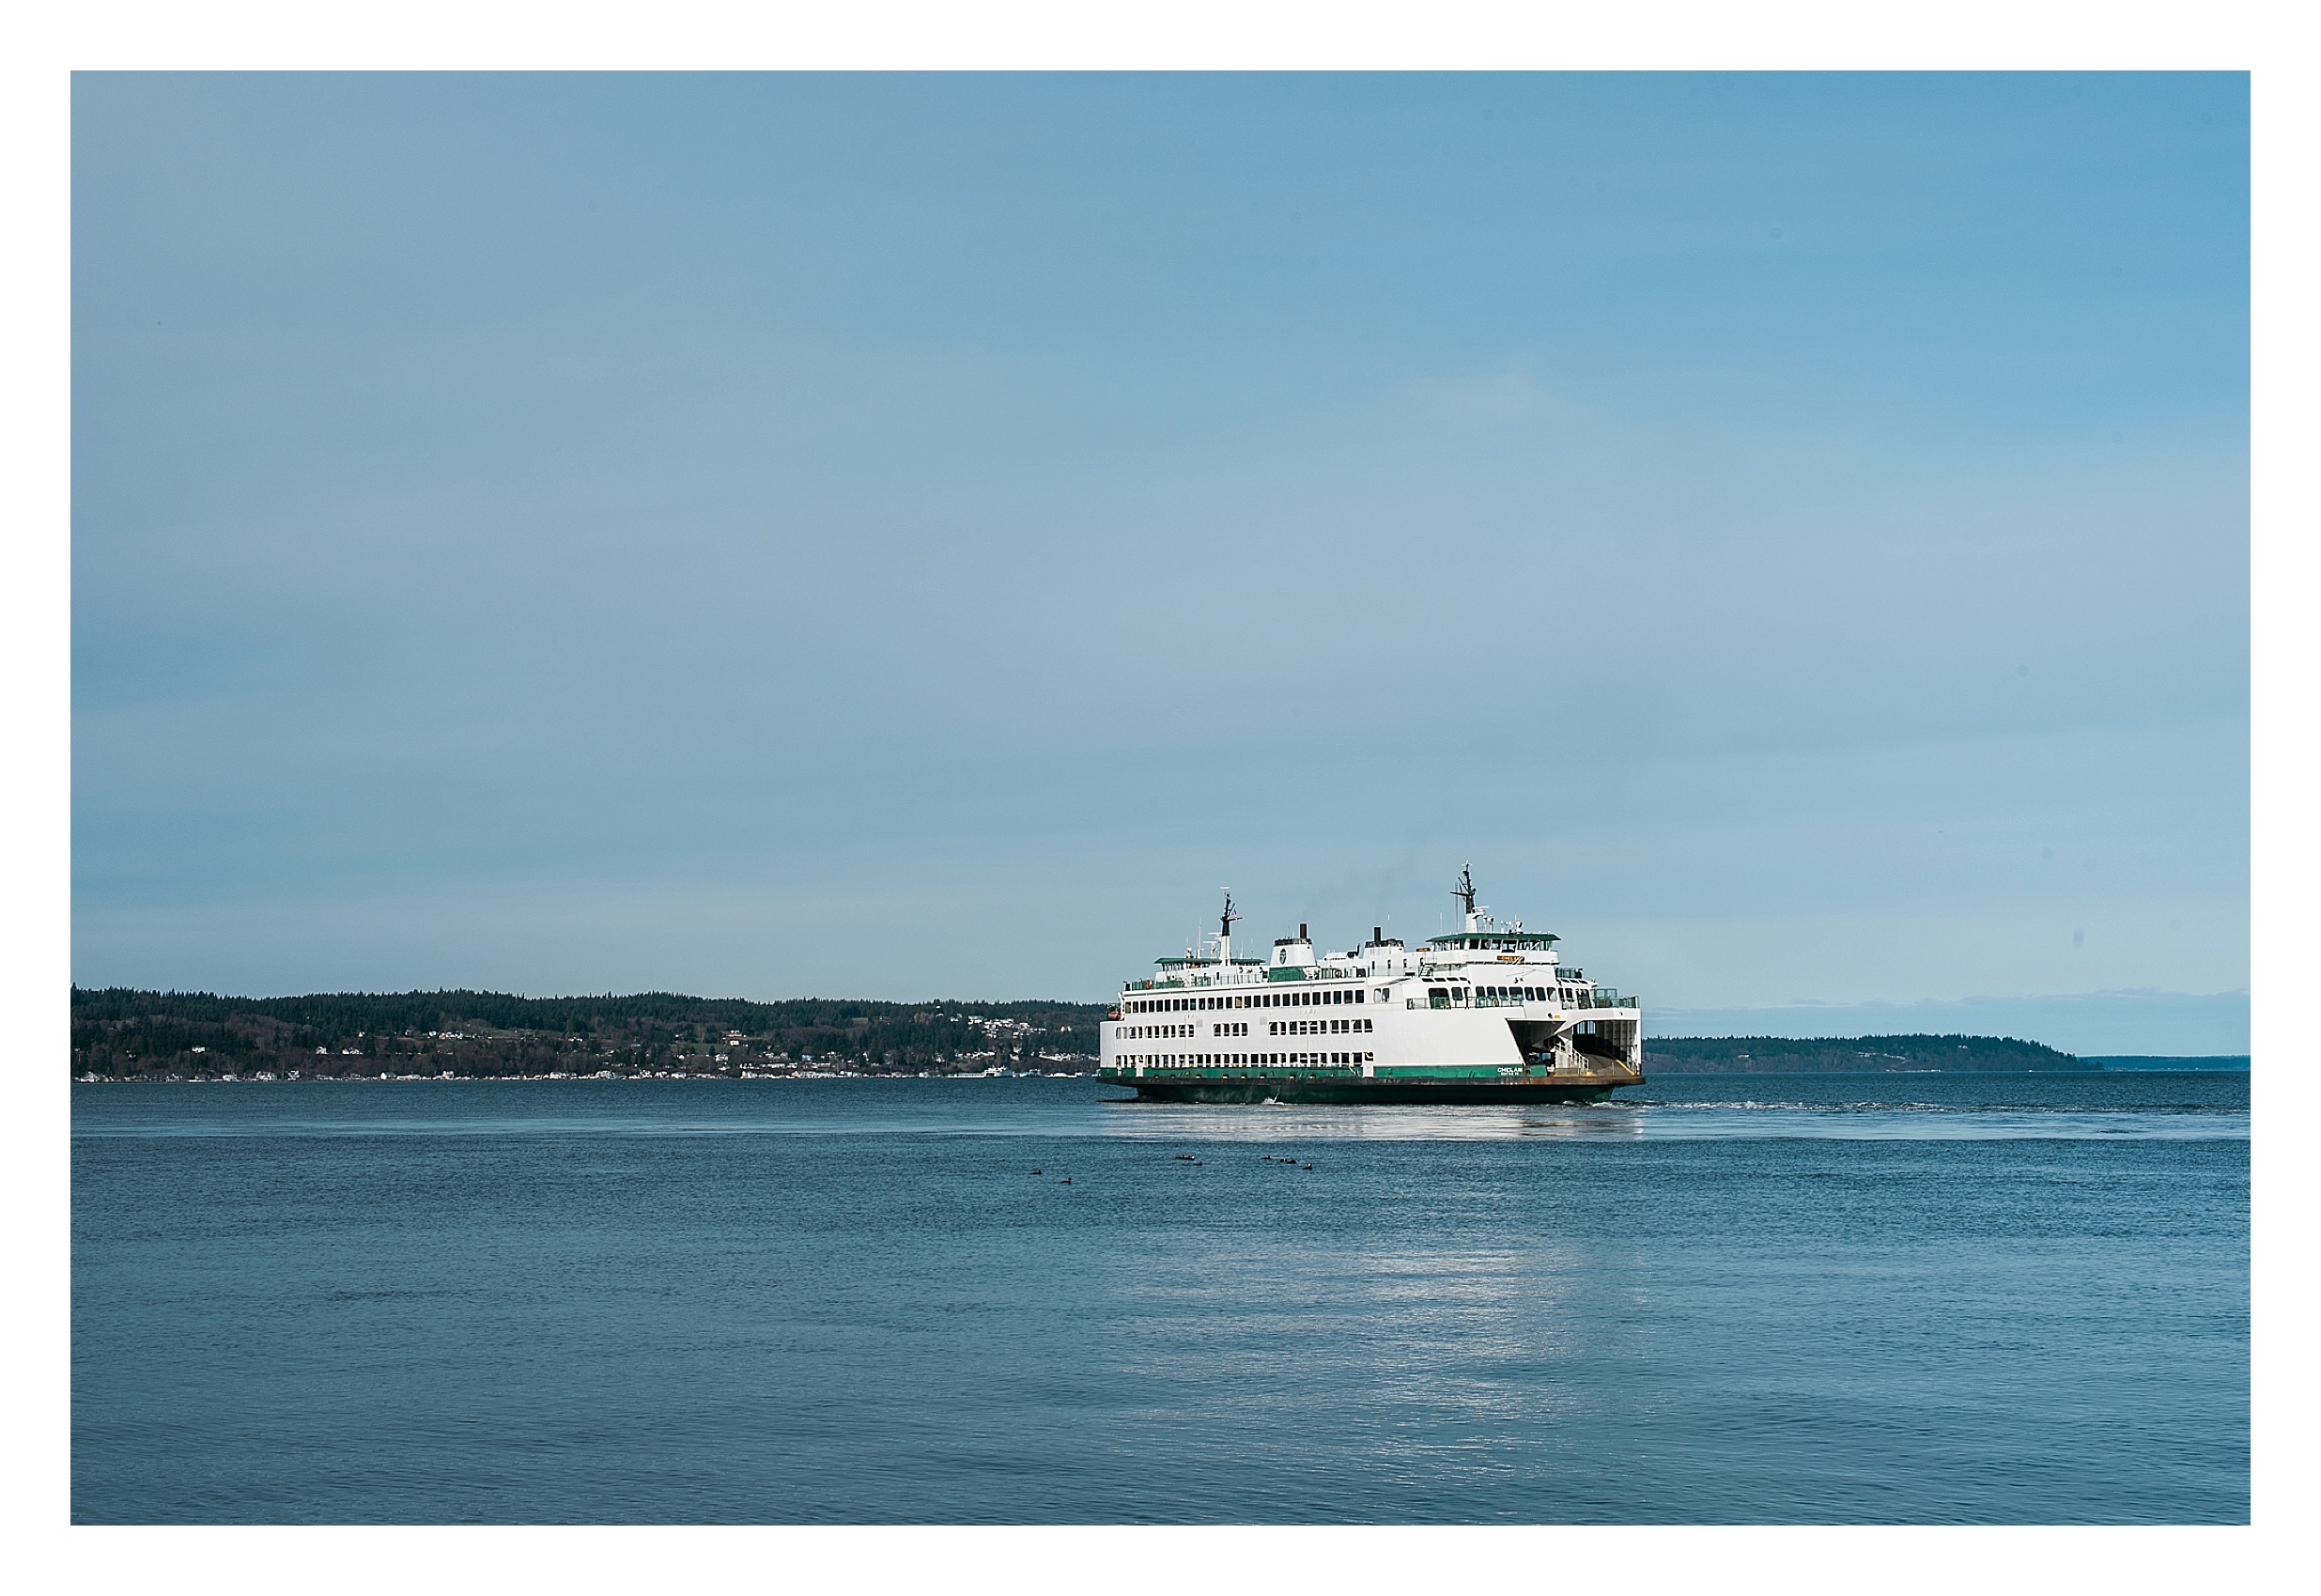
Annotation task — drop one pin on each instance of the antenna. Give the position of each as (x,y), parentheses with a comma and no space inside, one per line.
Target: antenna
(1464,892)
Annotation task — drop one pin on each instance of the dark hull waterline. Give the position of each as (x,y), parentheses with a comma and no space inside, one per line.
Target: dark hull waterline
(1357,1088)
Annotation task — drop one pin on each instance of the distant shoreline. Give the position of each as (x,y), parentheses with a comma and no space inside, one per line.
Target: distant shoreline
(2219,1065)
(122,1032)
(2170,1062)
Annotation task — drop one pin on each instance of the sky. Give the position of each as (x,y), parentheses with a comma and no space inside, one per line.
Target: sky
(909,536)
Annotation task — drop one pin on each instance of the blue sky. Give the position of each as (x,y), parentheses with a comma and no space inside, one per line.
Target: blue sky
(898,536)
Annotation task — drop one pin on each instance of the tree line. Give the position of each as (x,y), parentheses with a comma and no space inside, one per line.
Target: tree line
(124,1030)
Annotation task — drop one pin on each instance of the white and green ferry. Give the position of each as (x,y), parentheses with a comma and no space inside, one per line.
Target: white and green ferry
(1487,1014)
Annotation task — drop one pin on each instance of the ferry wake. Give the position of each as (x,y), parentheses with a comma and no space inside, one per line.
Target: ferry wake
(1487,1014)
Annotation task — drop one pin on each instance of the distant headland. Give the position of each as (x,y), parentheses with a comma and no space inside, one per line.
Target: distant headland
(1829,1055)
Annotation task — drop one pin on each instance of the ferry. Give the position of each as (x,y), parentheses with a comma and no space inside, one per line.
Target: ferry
(1486,1014)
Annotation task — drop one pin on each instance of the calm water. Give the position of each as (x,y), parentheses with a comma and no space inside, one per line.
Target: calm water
(1983,1298)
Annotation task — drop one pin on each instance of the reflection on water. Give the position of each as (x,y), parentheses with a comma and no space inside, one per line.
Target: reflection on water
(1300,1121)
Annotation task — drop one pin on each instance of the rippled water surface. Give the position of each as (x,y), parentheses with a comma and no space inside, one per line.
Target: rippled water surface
(1761,1299)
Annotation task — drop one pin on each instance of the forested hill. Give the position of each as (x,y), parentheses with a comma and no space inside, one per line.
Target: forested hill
(1778,1055)
(120,1031)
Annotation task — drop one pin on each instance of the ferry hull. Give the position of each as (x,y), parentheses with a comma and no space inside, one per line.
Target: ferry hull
(1360,1089)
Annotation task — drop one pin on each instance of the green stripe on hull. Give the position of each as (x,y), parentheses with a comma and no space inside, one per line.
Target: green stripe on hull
(1358,1089)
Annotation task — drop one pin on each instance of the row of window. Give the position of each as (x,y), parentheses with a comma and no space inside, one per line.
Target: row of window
(1291,1000)
(1491,996)
(1237,1060)
(1241,1028)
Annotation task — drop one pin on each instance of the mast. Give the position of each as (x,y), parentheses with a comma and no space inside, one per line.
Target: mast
(1464,892)
(1225,930)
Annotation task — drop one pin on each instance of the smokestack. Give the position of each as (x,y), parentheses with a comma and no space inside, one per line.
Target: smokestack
(1300,931)
(1378,932)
